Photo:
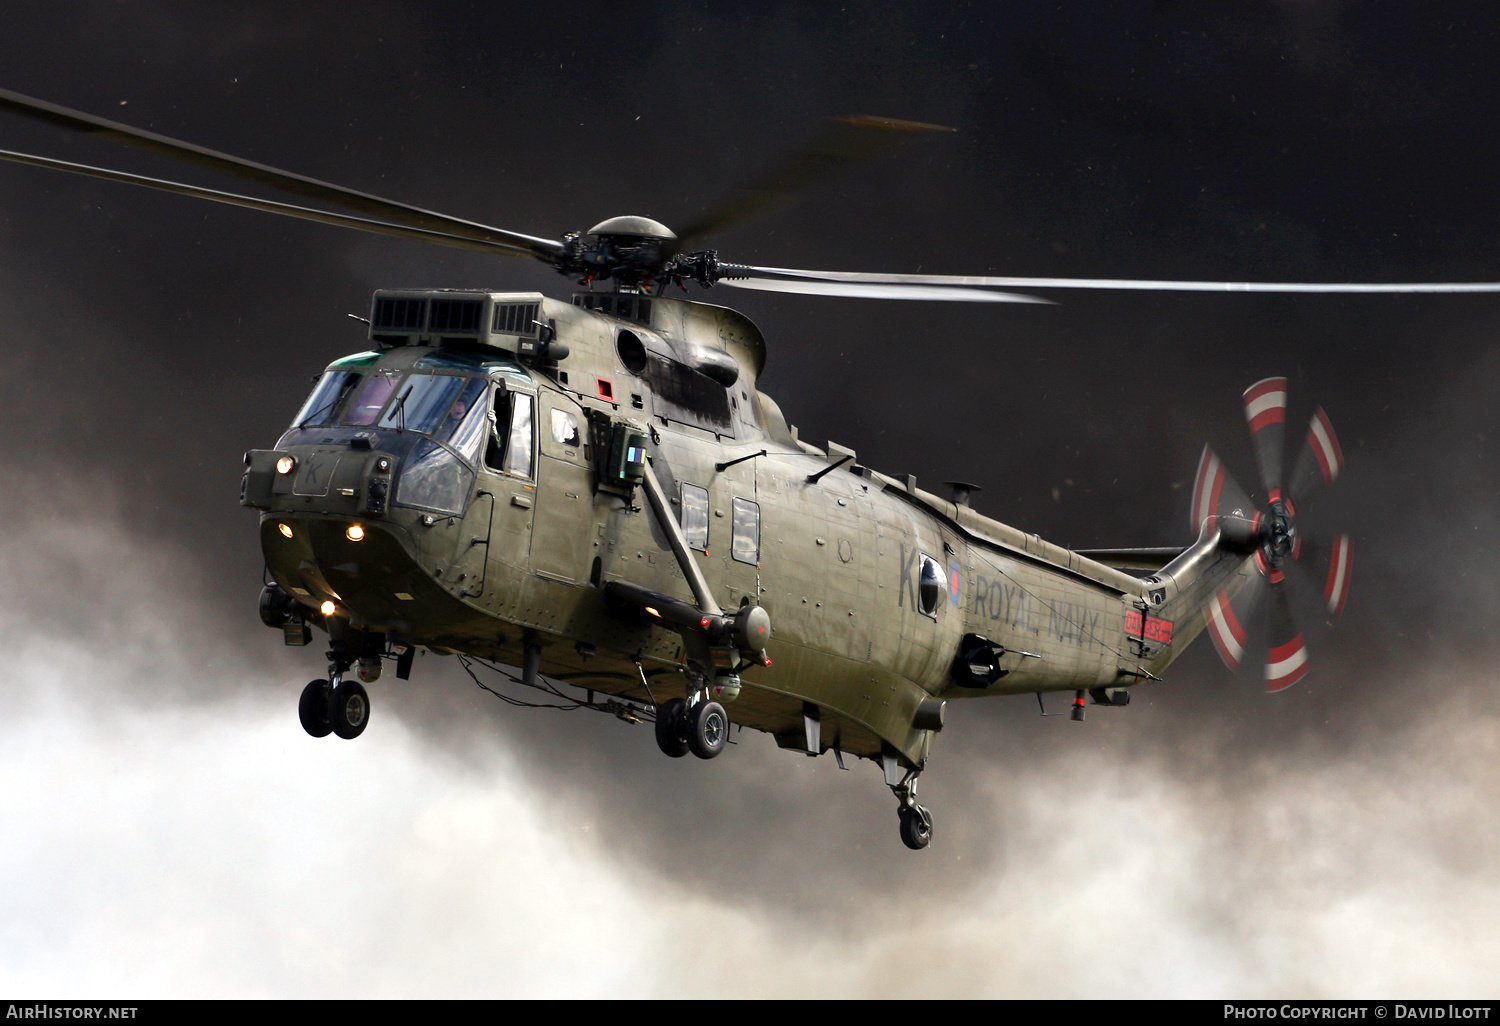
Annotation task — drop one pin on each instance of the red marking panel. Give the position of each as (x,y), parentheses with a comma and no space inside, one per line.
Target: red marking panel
(1325,445)
(1336,589)
(1153,629)
(1265,403)
(606,389)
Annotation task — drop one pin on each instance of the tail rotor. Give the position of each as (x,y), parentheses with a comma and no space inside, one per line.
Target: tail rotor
(1284,559)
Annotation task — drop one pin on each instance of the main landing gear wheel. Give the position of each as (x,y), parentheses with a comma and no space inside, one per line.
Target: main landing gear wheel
(708,729)
(916,827)
(349,709)
(312,709)
(669,732)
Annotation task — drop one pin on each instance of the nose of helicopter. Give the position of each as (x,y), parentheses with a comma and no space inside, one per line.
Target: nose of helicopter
(372,572)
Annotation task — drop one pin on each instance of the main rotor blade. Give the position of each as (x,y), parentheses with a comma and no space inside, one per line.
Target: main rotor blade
(309,188)
(871,290)
(842,141)
(1132,284)
(271,206)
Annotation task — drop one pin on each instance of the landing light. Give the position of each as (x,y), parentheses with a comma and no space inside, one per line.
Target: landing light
(652,611)
(355,533)
(285,529)
(328,608)
(285,465)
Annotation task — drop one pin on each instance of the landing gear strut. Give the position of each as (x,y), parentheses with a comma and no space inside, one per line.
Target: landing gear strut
(916,822)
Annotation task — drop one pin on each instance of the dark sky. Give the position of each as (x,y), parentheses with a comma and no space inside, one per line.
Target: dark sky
(149,340)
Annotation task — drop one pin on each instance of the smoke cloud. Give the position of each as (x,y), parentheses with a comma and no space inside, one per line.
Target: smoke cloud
(171,831)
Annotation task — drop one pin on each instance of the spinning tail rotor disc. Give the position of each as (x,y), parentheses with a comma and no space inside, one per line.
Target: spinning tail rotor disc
(1289,567)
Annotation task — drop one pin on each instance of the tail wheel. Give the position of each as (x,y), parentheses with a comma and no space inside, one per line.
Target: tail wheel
(349,709)
(1283,553)
(312,709)
(916,827)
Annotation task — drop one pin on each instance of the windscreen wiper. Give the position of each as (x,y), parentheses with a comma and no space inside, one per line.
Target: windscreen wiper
(326,406)
(400,410)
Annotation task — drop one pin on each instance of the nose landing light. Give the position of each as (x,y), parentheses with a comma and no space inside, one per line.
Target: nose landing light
(354,532)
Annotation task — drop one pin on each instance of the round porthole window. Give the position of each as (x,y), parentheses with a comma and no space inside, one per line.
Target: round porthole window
(930,586)
(632,352)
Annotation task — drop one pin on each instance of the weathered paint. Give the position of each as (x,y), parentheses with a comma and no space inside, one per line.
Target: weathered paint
(838,566)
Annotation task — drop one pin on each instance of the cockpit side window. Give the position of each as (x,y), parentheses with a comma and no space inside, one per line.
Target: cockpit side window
(518,449)
(511,449)
(470,428)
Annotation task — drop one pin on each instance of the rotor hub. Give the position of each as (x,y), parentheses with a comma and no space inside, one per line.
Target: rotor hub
(1281,533)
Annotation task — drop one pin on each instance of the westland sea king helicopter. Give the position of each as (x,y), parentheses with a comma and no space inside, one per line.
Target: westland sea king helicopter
(595,491)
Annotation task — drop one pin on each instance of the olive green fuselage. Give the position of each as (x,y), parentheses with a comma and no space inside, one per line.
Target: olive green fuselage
(525,556)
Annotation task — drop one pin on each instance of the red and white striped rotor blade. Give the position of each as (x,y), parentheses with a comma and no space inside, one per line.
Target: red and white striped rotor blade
(1265,412)
(1329,563)
(1215,492)
(1228,622)
(1286,651)
(1321,458)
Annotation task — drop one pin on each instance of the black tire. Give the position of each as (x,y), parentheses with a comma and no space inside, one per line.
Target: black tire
(312,709)
(669,728)
(349,709)
(916,828)
(708,729)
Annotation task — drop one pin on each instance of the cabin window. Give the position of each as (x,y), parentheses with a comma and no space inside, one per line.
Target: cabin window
(322,406)
(695,516)
(565,428)
(746,544)
(632,352)
(931,585)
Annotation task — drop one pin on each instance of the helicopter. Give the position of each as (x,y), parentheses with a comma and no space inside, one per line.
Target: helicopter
(594,490)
